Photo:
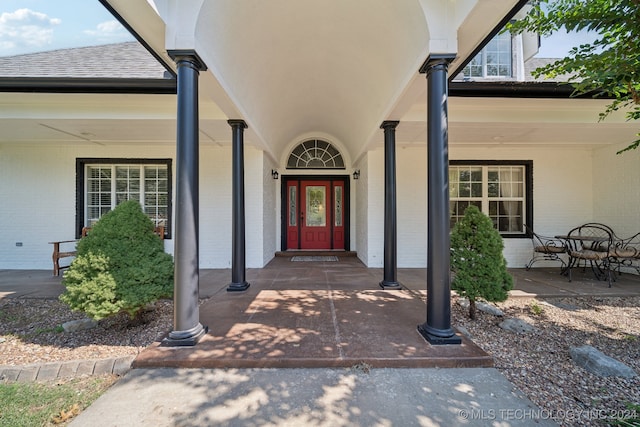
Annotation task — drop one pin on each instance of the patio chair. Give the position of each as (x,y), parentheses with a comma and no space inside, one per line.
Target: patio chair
(590,244)
(625,253)
(546,248)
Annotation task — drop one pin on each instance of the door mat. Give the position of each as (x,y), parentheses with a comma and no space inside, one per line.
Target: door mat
(315,258)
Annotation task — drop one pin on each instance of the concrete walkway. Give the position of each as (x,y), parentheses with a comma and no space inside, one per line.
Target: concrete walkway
(313,397)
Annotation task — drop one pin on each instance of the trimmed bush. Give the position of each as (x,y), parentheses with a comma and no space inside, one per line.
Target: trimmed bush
(121,266)
(479,267)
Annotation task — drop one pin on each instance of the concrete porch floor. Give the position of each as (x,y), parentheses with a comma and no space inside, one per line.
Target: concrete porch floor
(323,314)
(334,314)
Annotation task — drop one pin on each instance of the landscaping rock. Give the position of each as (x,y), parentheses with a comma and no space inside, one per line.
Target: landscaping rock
(599,363)
(79,325)
(464,331)
(518,326)
(482,306)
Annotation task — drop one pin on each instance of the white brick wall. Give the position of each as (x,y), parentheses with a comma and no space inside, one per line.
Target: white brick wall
(571,186)
(270,191)
(562,184)
(37,189)
(375,208)
(215,207)
(616,189)
(359,207)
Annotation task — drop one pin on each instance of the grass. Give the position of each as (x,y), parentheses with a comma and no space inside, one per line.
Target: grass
(51,403)
(535,308)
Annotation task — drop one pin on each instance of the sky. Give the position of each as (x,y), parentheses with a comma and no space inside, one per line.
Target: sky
(28,26)
(561,42)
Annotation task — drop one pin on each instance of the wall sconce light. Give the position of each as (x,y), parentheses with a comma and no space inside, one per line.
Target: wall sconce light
(356,174)
(274,173)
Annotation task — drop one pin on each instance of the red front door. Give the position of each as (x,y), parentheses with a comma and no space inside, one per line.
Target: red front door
(315,214)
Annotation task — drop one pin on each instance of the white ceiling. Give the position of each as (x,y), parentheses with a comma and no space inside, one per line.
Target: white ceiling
(150,119)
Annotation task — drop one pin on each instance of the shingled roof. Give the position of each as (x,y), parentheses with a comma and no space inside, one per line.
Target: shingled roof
(128,60)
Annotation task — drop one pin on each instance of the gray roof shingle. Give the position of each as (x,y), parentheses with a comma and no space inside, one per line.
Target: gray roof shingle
(120,60)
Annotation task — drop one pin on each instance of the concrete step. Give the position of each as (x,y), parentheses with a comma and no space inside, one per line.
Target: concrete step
(313,252)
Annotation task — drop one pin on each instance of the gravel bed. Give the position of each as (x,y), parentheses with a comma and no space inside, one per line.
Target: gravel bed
(30,332)
(538,363)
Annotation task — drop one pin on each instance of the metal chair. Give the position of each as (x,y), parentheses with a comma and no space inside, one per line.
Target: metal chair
(626,253)
(545,248)
(590,244)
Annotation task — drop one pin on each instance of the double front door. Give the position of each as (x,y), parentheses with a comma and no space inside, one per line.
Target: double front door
(315,213)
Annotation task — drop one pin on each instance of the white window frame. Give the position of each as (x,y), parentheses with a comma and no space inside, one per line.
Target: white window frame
(483,59)
(159,214)
(484,201)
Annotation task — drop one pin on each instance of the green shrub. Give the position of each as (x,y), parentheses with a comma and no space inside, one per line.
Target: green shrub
(121,266)
(480,270)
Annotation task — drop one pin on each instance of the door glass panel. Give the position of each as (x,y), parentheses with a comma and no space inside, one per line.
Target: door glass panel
(338,206)
(316,213)
(292,206)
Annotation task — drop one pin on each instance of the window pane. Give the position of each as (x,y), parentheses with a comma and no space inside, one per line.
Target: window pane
(293,206)
(338,206)
(501,197)
(316,215)
(147,183)
(476,189)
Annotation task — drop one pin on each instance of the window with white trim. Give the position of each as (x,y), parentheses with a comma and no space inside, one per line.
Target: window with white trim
(493,61)
(501,191)
(109,182)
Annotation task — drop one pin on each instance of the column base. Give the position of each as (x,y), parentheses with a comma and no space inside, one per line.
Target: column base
(185,338)
(238,287)
(385,284)
(437,339)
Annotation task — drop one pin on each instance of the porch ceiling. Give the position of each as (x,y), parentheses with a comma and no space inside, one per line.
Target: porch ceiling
(150,119)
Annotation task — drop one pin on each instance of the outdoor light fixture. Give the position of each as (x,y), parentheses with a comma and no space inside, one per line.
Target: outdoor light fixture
(274,173)
(356,174)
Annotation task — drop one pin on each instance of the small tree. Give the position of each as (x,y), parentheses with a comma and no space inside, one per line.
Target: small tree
(480,270)
(121,266)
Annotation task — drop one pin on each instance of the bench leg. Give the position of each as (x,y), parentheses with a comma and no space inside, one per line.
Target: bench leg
(56,263)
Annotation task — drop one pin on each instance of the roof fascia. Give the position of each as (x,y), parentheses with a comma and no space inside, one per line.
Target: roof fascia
(87,85)
(517,90)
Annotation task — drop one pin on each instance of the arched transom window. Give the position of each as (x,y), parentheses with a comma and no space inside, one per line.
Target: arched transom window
(315,154)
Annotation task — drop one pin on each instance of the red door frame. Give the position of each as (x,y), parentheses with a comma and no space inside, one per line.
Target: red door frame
(291,236)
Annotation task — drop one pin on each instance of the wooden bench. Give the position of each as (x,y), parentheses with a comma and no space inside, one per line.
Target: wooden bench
(59,254)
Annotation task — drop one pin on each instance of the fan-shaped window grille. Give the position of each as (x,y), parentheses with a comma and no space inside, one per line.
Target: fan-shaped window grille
(315,154)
